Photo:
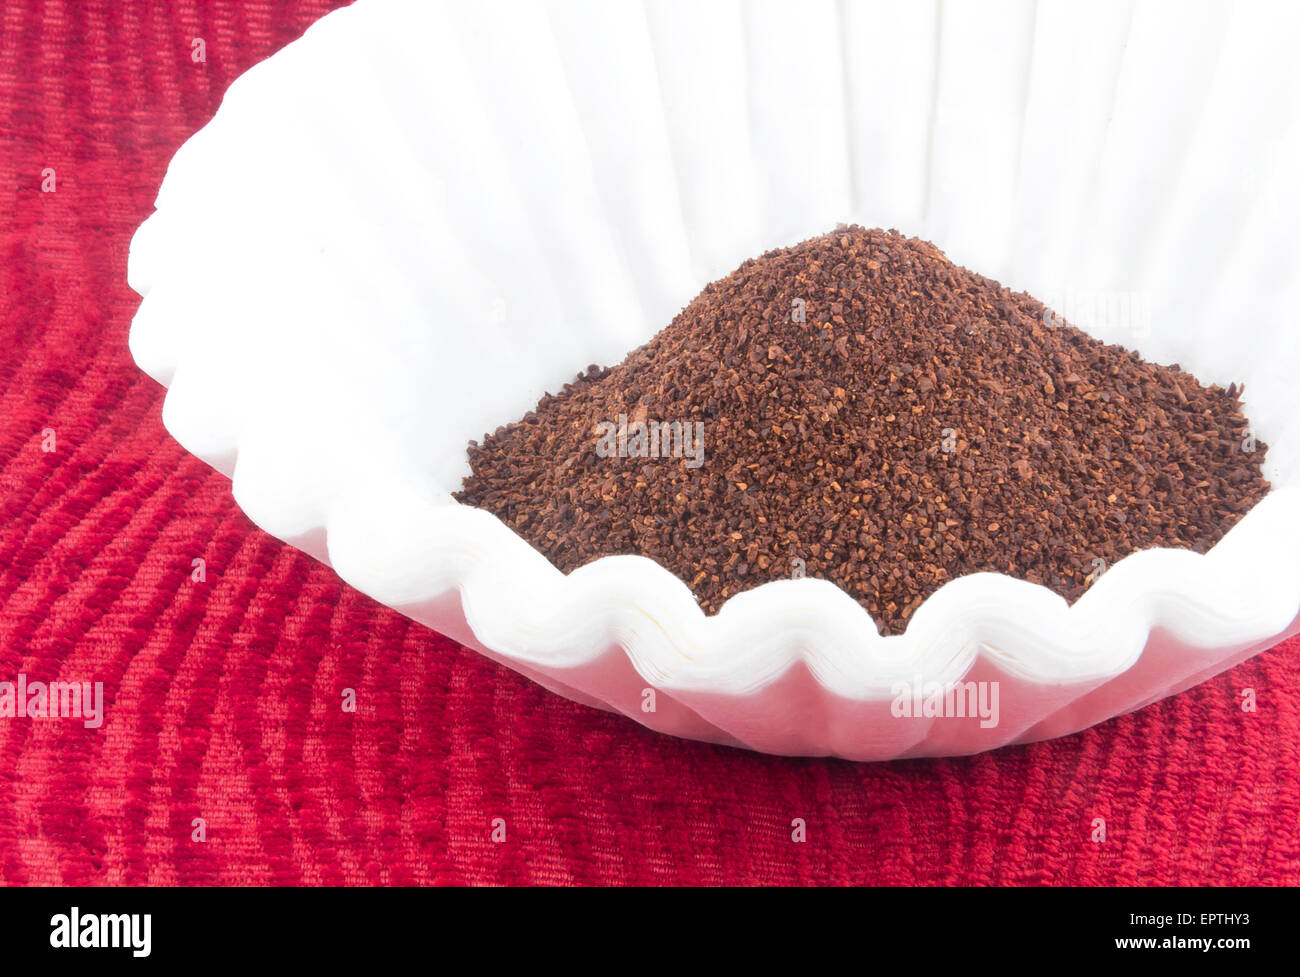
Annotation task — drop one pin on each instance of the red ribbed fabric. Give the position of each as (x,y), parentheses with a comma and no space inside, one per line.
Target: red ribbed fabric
(223,697)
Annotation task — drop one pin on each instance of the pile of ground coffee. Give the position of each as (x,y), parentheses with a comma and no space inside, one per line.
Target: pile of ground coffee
(861,409)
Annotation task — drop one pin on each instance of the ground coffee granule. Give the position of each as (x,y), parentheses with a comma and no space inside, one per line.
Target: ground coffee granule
(861,409)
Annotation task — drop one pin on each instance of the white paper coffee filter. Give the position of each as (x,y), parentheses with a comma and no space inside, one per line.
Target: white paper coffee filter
(402,229)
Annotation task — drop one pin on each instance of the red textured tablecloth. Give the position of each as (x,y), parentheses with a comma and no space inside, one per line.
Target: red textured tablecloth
(222,696)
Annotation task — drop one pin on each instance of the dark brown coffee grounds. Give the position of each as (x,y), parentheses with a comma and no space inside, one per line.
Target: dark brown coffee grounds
(870,413)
